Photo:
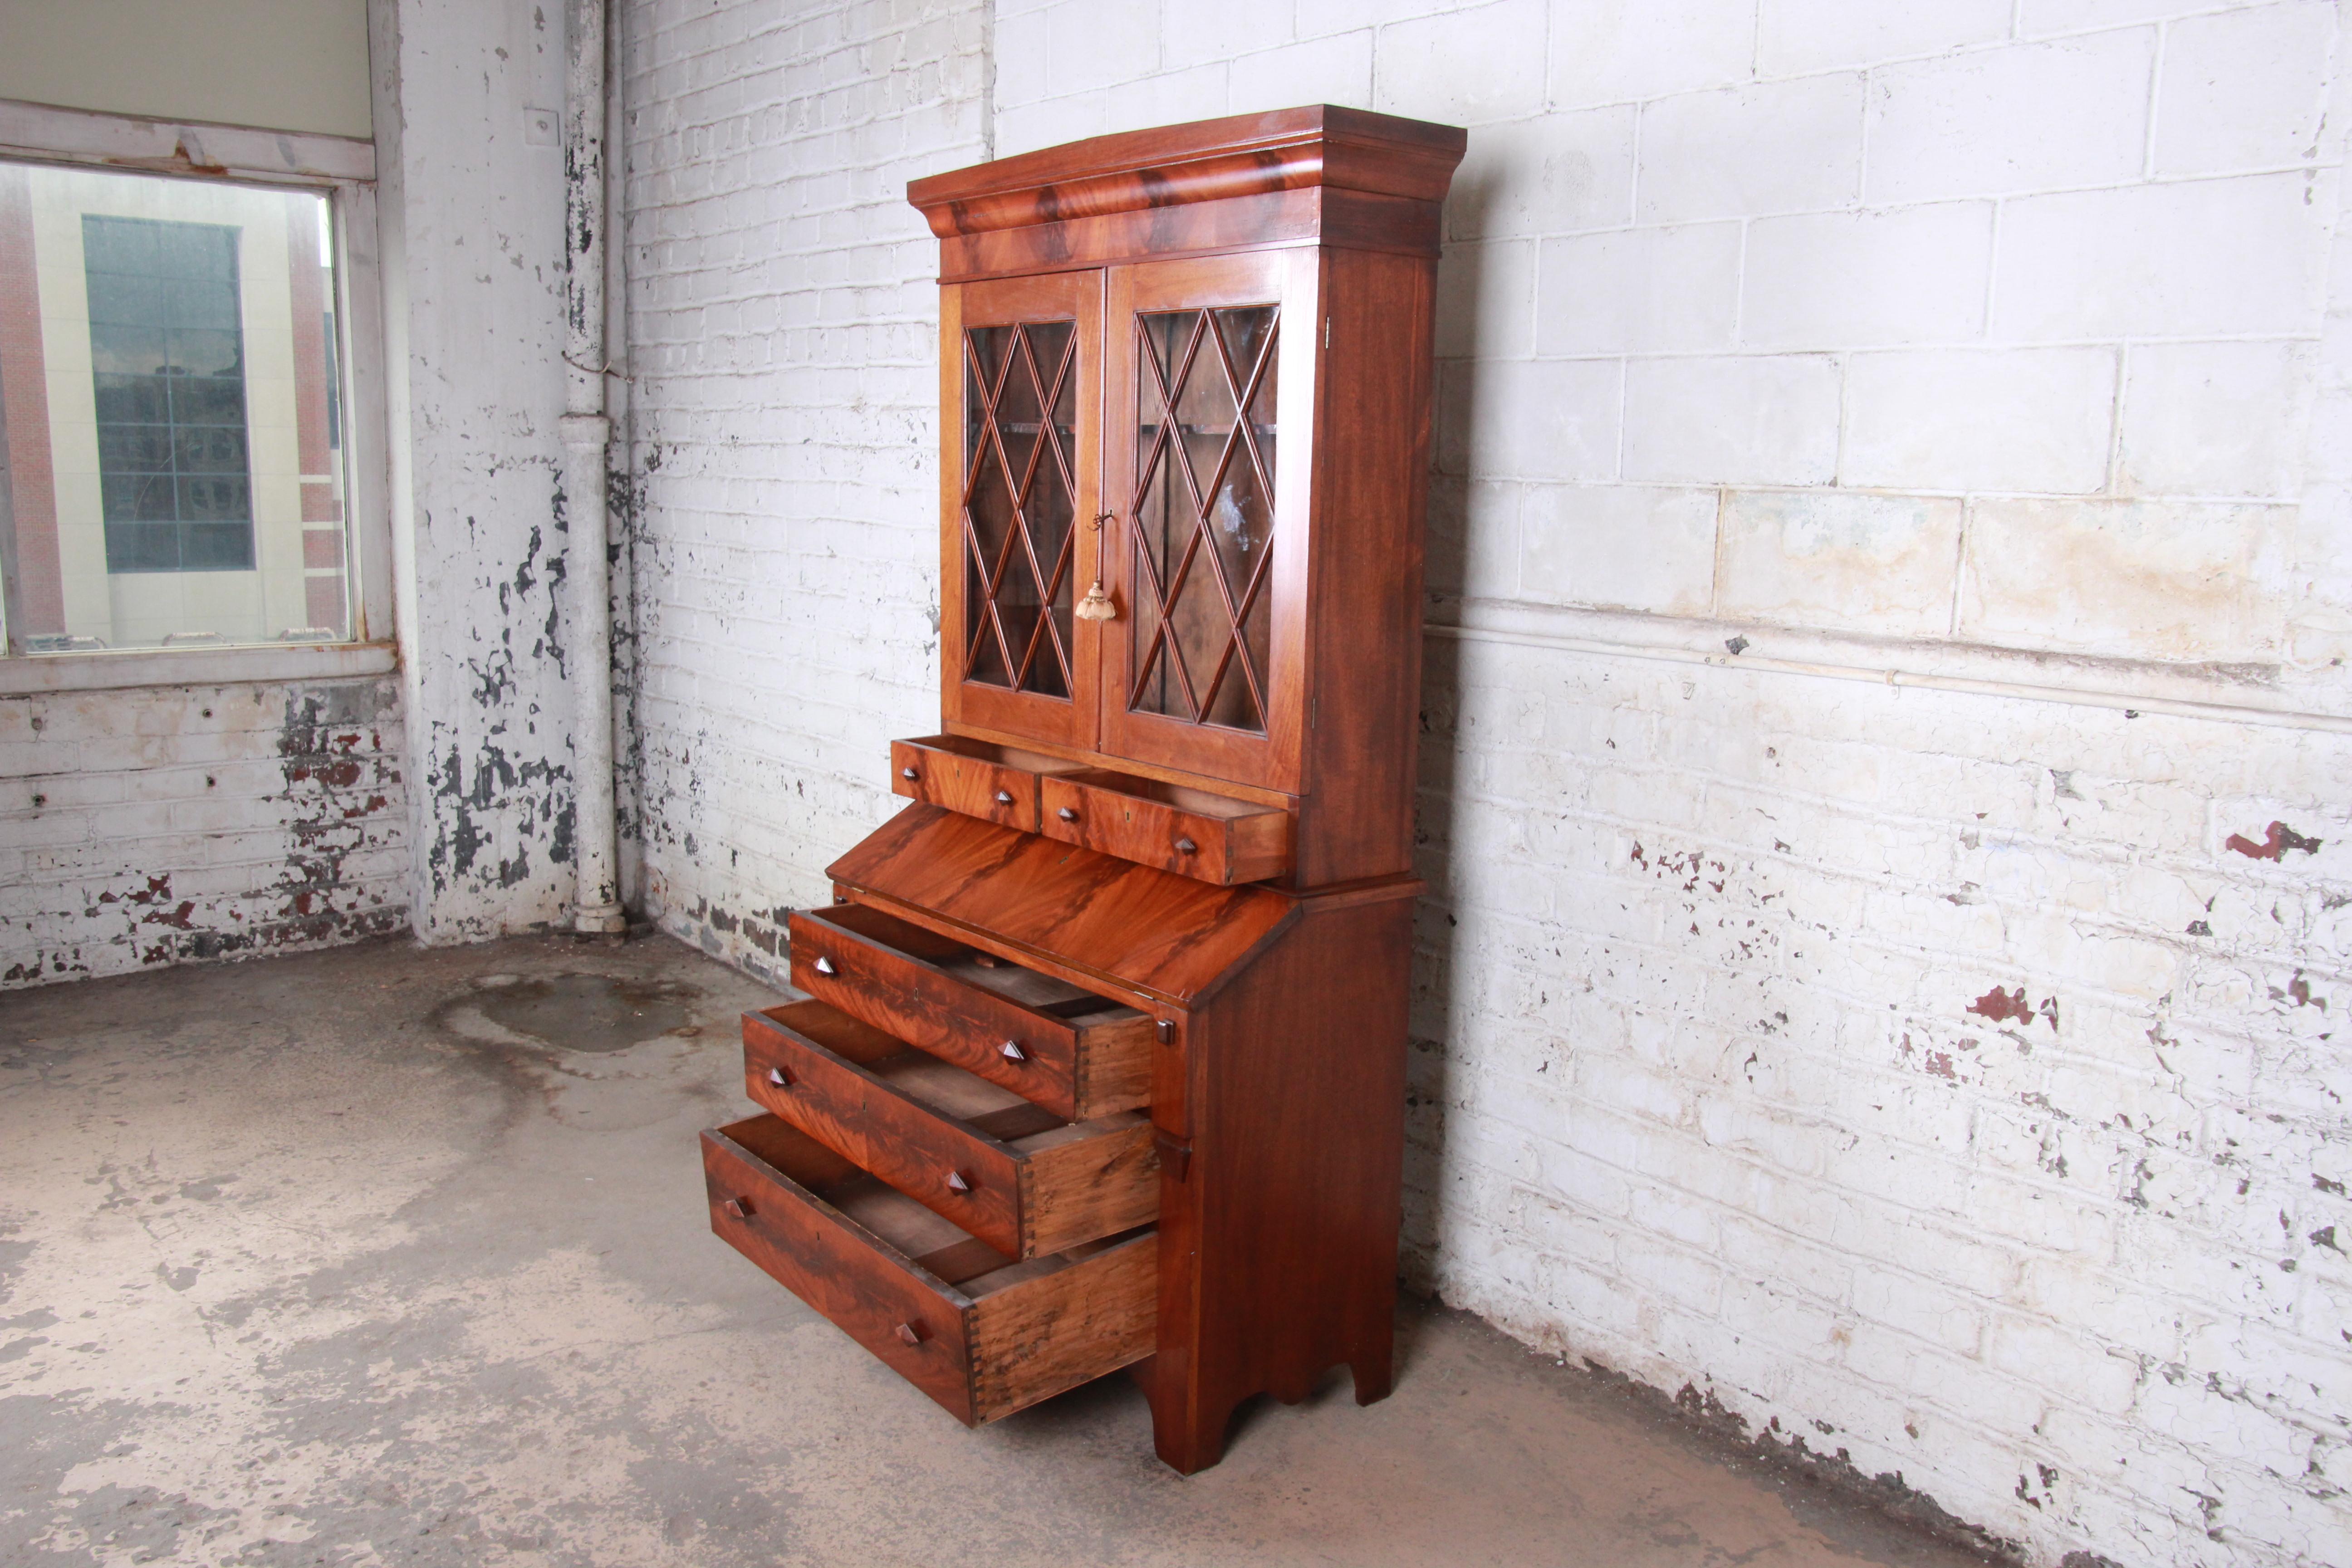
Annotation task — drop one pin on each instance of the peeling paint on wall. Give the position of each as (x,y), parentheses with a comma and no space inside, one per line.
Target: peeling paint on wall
(487,669)
(1940,1082)
(164,826)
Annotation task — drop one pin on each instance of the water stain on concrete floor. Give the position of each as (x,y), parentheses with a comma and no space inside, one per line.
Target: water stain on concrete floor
(360,1258)
(591,1013)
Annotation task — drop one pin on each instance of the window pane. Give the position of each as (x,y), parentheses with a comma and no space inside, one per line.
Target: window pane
(130,400)
(200,449)
(204,352)
(143,547)
(142,506)
(122,247)
(202,400)
(134,449)
(197,302)
(216,547)
(139,497)
(126,351)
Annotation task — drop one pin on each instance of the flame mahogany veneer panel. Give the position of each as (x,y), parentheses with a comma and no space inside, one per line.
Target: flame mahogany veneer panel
(1282,1175)
(1026,1181)
(1149,931)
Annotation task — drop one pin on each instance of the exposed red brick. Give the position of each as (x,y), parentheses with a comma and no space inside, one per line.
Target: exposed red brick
(24,394)
(2282,838)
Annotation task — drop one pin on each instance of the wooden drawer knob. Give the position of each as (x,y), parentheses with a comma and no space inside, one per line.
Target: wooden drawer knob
(1186,847)
(1004,797)
(909,774)
(778,1077)
(956,1184)
(740,1207)
(825,966)
(912,1334)
(1067,814)
(1012,1052)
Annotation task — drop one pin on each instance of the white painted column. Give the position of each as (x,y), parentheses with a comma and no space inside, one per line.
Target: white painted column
(586,434)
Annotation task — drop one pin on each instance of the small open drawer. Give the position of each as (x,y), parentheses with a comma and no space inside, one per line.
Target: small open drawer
(1012,1173)
(1078,1055)
(1191,831)
(977,778)
(981,1333)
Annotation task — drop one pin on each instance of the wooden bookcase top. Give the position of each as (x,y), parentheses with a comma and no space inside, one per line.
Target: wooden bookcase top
(1209,160)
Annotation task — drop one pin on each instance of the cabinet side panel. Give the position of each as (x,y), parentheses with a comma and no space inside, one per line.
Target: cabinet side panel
(1286,1218)
(1372,494)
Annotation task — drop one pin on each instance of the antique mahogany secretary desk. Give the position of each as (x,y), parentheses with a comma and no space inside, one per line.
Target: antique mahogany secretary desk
(1104,1066)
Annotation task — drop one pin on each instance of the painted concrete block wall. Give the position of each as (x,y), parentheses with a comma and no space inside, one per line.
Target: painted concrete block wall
(1886,770)
(163,825)
(469,110)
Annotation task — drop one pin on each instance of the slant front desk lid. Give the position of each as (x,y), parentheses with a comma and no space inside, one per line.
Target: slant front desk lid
(1149,930)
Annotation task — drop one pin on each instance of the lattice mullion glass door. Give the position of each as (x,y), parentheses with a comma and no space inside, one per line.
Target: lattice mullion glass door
(1020,364)
(1209,392)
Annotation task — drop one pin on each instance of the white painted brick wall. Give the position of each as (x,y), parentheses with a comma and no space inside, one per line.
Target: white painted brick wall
(783,334)
(1941,1075)
(158,826)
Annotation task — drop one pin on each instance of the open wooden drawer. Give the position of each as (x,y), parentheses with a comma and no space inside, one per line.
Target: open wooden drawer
(979,778)
(1176,827)
(1012,1173)
(979,1332)
(1189,831)
(1078,1055)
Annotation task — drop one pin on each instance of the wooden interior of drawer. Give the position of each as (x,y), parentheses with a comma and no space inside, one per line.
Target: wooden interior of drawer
(943,1085)
(1142,819)
(1007,1333)
(929,1241)
(993,752)
(979,778)
(1035,1183)
(1038,992)
(1079,1054)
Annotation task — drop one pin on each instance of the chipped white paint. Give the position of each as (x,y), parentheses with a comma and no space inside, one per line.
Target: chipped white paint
(782,325)
(152,826)
(473,221)
(1928,1062)
(587,433)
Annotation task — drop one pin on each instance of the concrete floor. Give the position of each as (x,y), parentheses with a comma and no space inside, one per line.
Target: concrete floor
(357,1257)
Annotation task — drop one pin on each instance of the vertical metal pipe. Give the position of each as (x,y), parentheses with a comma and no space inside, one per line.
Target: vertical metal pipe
(596,906)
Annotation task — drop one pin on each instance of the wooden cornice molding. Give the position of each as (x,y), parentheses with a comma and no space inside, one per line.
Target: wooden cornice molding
(1245,154)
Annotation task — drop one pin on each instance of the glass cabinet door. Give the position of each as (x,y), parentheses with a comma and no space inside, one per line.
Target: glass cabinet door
(1022,361)
(1205,371)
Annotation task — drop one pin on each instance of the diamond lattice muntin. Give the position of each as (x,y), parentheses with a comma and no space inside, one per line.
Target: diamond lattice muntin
(1202,517)
(1019,504)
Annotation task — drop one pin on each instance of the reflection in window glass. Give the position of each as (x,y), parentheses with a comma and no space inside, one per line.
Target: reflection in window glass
(167,355)
(170,453)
